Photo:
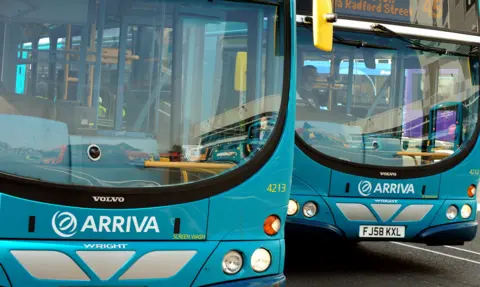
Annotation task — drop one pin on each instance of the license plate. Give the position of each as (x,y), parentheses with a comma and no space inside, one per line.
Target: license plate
(376,231)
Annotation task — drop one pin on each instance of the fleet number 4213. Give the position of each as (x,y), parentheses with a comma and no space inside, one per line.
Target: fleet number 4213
(277,187)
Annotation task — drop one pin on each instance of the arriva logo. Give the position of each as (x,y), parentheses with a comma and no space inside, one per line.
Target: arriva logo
(365,188)
(65,224)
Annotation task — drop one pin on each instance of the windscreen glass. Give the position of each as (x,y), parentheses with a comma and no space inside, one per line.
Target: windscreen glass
(386,104)
(136,93)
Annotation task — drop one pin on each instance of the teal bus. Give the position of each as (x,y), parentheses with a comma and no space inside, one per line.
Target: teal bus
(386,142)
(103,104)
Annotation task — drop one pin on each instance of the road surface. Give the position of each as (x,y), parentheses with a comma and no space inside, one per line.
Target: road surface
(382,264)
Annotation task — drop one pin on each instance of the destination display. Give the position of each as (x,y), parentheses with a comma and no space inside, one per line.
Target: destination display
(460,15)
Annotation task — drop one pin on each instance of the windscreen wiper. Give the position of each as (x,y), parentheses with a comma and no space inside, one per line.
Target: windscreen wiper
(358,43)
(418,46)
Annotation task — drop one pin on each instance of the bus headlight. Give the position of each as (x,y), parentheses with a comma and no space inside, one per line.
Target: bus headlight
(466,211)
(261,260)
(232,262)
(452,212)
(292,207)
(310,209)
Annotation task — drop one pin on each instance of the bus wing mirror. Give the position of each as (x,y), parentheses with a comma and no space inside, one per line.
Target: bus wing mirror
(369,59)
(241,72)
(323,19)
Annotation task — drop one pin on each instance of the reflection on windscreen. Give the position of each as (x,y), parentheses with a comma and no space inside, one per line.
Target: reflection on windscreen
(385,107)
(160,87)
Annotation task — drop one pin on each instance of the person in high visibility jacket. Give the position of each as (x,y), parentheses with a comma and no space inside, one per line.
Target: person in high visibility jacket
(102,111)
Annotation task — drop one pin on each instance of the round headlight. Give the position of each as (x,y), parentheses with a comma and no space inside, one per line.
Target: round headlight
(466,211)
(310,209)
(292,207)
(452,212)
(232,262)
(261,260)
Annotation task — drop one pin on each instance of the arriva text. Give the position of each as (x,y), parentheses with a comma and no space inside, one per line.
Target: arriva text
(366,188)
(65,224)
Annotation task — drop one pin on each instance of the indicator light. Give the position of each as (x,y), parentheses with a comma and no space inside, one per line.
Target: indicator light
(272,225)
(472,190)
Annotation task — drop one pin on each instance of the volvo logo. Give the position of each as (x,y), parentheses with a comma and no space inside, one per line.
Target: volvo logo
(365,188)
(64,224)
(108,198)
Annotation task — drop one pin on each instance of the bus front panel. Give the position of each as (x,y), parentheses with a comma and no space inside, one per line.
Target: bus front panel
(114,115)
(386,136)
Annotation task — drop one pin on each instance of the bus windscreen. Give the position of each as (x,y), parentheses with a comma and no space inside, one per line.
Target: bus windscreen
(376,107)
(125,93)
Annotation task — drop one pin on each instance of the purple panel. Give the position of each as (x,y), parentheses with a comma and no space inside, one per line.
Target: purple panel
(445,125)
(414,128)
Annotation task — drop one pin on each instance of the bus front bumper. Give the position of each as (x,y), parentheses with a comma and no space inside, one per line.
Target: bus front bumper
(449,234)
(423,221)
(267,281)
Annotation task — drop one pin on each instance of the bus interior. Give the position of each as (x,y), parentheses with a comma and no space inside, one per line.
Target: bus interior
(373,105)
(141,78)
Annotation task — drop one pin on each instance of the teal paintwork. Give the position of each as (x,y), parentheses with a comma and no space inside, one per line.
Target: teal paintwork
(327,187)
(211,226)
(314,182)
(330,215)
(305,169)
(212,274)
(234,208)
(185,277)
(324,214)
(192,215)
(209,255)
(398,189)
(3,278)
(440,216)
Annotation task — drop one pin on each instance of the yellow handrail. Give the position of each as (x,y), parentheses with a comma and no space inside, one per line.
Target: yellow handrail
(431,156)
(188,165)
(212,168)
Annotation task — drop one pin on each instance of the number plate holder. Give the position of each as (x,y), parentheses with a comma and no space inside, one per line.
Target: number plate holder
(379,231)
